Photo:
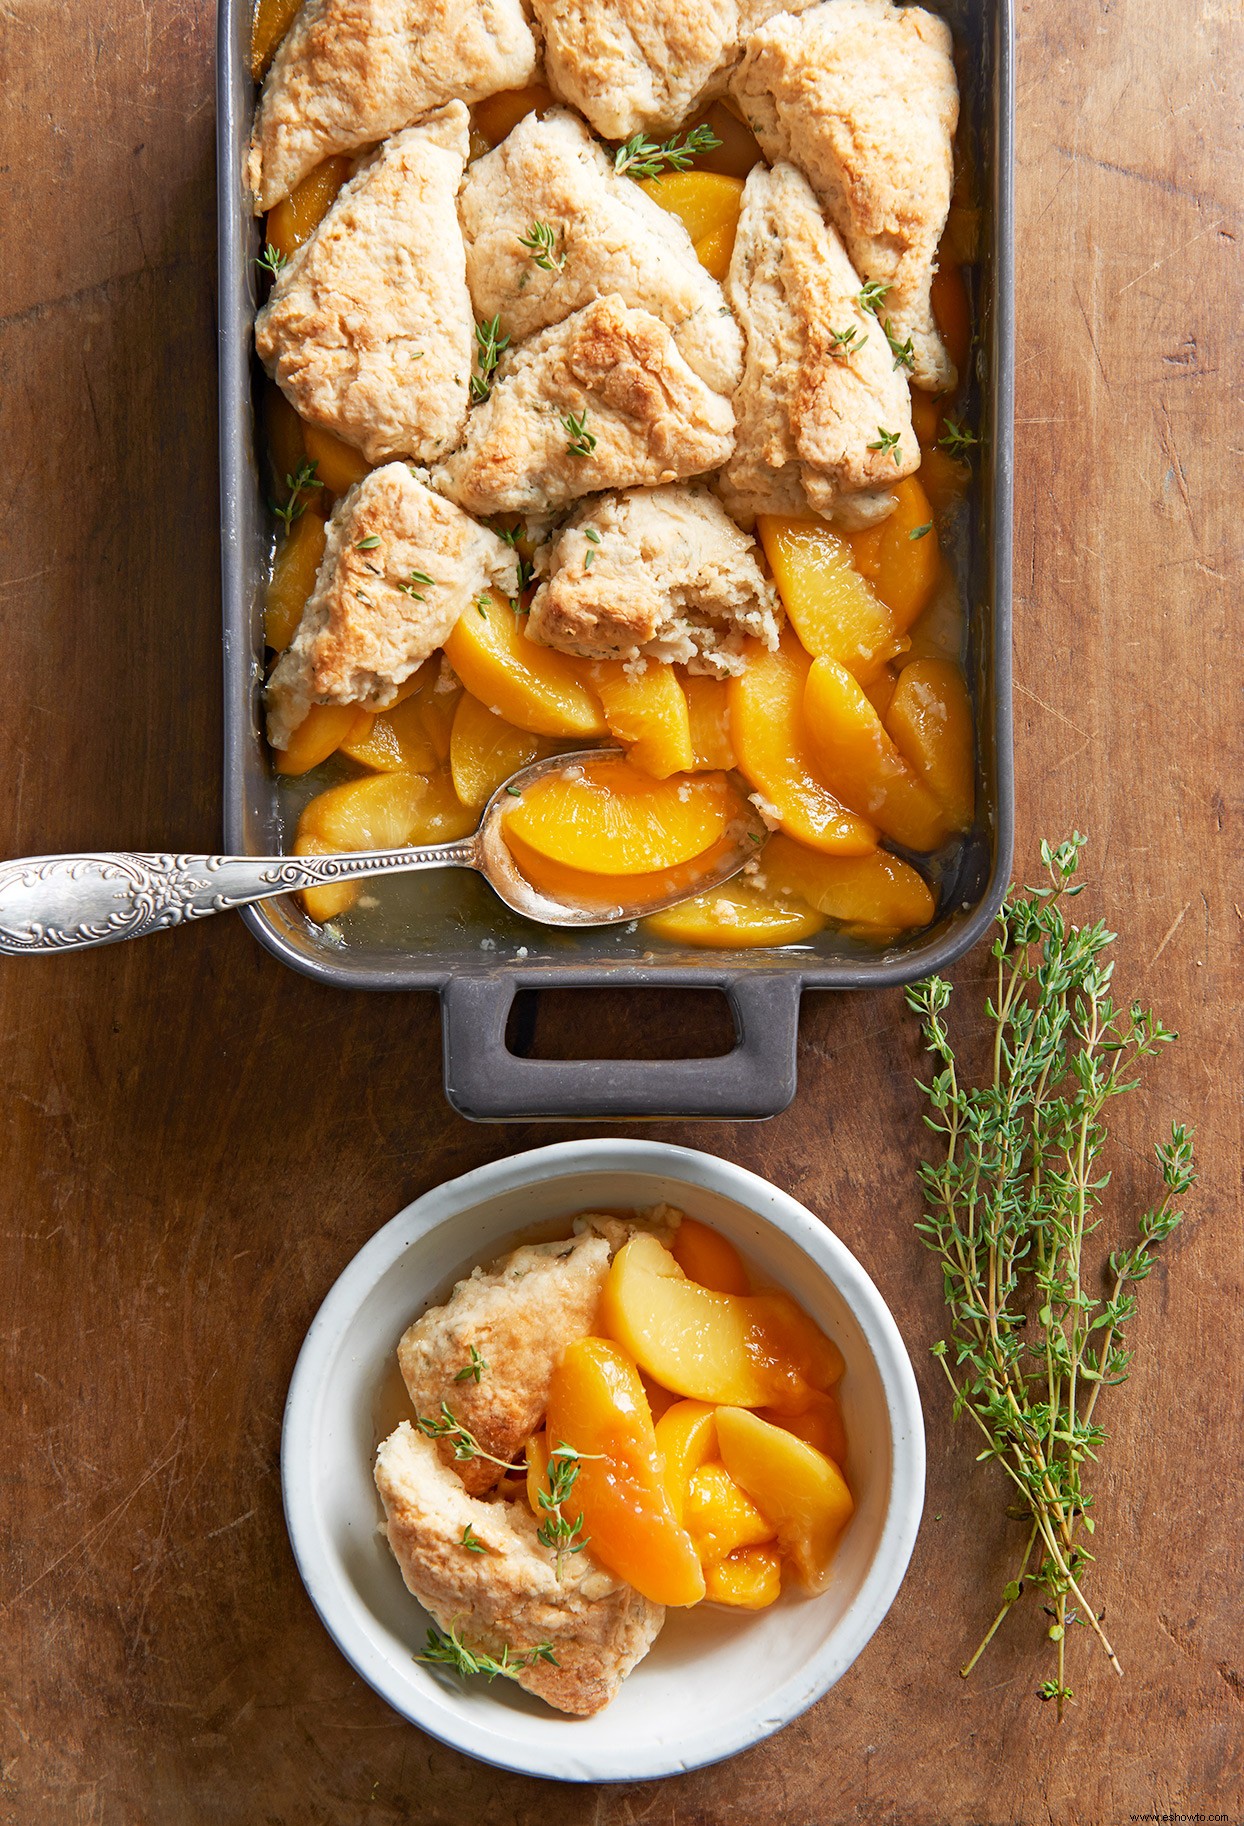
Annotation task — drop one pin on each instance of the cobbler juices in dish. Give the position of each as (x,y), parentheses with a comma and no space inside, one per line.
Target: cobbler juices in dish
(601,1427)
(611,400)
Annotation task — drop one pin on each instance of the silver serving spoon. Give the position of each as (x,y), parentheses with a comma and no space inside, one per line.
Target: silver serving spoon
(69,903)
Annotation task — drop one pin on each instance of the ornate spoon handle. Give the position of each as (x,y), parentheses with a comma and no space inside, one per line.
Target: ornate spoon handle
(68,903)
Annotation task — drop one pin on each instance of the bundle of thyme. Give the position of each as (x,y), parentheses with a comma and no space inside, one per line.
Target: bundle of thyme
(1010,1207)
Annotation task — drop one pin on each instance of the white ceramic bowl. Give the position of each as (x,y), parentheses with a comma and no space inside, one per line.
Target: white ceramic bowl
(714,1682)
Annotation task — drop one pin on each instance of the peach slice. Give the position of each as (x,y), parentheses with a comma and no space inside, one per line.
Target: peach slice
(337,465)
(393,741)
(272,20)
(296,217)
(944,479)
(877,890)
(646,709)
(900,556)
(703,201)
(708,204)
(336,898)
(598,1407)
(660,1401)
(738,150)
(536,1453)
(287,450)
(833,610)
(820,1424)
(496,117)
(686,1439)
(930,719)
(880,690)
(952,312)
(771,740)
(927,412)
(293,579)
(376,813)
(706,1256)
(607,891)
(939,632)
(320,733)
(708,710)
(748,1579)
(802,1492)
(720,1517)
(441,817)
(438,692)
(530,686)
(735,915)
(750,1350)
(607,818)
(861,763)
(484,750)
(714,250)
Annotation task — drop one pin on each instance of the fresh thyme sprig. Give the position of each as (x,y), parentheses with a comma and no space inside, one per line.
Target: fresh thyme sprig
(558,1532)
(848,341)
(448,1648)
(579,440)
(473,1369)
(490,346)
(302,482)
(903,352)
(541,242)
(526,571)
(644,158)
(271,260)
(471,1541)
(593,538)
(464,1443)
(957,440)
(888,442)
(1009,1208)
(874,296)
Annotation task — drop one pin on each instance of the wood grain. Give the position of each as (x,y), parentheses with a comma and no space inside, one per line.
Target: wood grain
(196,1140)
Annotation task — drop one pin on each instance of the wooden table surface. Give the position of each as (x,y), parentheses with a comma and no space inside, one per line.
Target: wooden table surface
(197,1140)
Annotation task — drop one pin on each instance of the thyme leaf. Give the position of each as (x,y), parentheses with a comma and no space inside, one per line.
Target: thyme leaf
(271,260)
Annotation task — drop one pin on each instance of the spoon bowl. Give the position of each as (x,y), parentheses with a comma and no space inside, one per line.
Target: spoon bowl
(72,903)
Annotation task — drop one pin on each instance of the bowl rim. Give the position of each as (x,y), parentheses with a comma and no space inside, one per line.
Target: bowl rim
(559,1160)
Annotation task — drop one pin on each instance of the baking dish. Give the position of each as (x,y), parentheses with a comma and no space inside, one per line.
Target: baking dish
(446,933)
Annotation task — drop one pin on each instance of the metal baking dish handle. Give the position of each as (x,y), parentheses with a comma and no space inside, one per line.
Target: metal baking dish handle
(485,1081)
